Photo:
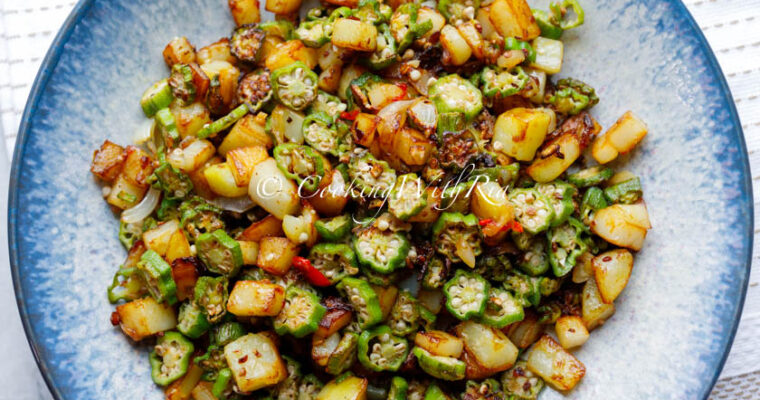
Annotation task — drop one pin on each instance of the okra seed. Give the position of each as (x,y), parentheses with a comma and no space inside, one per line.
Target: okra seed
(374,357)
(377,348)
(385,337)
(383,225)
(415,75)
(456,302)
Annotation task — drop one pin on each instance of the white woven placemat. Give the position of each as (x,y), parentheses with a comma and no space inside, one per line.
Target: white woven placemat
(732,27)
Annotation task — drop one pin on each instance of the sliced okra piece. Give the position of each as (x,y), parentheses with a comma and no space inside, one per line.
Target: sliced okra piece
(157,97)
(534,260)
(327,103)
(373,12)
(435,273)
(382,251)
(504,175)
(334,260)
(300,163)
(485,390)
(520,383)
(404,318)
(313,33)
(466,295)
(167,133)
(533,210)
(457,198)
(565,246)
(407,197)
(427,319)
(246,42)
(446,368)
(593,176)
(157,275)
(511,43)
(380,279)
(225,333)
(502,309)
(559,14)
(319,132)
(593,200)
(494,267)
(127,285)
(571,96)
(398,389)
(212,362)
(548,27)
(170,358)
(344,356)
(255,89)
(282,29)
(458,10)
(371,176)
(191,320)
(625,192)
(222,383)
(171,181)
(560,195)
(386,52)
(220,253)
(454,94)
(335,228)
(457,237)
(404,27)
(526,288)
(181,83)
(301,313)
(363,299)
(211,295)
(198,216)
(168,209)
(309,387)
(223,123)
(380,350)
(502,82)
(129,233)
(295,85)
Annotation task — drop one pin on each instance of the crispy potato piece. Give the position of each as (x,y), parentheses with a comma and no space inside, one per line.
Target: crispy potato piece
(108,161)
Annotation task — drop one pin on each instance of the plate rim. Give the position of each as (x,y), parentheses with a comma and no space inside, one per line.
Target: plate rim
(79,11)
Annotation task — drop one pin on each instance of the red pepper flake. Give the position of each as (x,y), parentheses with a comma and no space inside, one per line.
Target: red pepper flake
(515,226)
(313,275)
(115,319)
(404,89)
(349,115)
(484,222)
(243,359)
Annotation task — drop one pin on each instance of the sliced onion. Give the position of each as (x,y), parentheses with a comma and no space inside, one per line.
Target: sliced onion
(144,131)
(464,251)
(390,119)
(424,115)
(143,209)
(235,204)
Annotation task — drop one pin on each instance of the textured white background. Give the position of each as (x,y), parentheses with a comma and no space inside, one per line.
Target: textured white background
(28,26)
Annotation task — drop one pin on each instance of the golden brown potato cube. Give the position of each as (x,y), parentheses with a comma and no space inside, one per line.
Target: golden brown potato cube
(440,343)
(138,166)
(159,238)
(513,18)
(526,332)
(363,129)
(283,6)
(242,160)
(107,161)
(556,157)
(178,246)
(594,310)
(125,194)
(491,348)
(191,118)
(354,34)
(457,49)
(250,252)
(255,362)
(217,51)
(412,147)
(179,51)
(256,299)
(276,254)
(613,225)
(560,369)
(337,317)
(248,131)
(329,78)
(626,133)
(611,271)
(350,388)
(191,156)
(185,275)
(244,11)
(145,317)
(266,227)
(289,52)
(332,196)
(200,184)
(343,3)
(571,331)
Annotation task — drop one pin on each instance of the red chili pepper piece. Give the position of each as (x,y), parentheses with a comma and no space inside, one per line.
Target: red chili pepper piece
(313,275)
(515,226)
(404,89)
(484,222)
(349,115)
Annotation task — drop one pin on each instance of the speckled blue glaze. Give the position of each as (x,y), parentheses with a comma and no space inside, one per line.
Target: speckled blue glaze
(674,323)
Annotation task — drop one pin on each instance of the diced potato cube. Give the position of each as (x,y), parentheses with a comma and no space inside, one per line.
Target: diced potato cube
(125,194)
(386,296)
(526,332)
(217,51)
(268,226)
(602,150)
(514,18)
(200,184)
(491,348)
(487,29)
(185,275)
(571,331)
(286,125)
(349,388)
(193,156)
(107,161)
(519,132)
(382,94)
(436,19)
(583,270)
(145,317)
(255,362)
(300,229)
(489,201)
(323,347)
(555,158)
(158,238)
(472,36)
(611,271)
(549,53)
(271,190)
(456,47)
(178,246)
(247,131)
(250,252)
(283,6)
(354,34)
(276,255)
(256,299)
(179,51)
(332,197)
(350,73)
(594,310)
(245,11)
(619,177)
(138,166)
(335,319)
(635,214)
(221,181)
(554,364)
(440,343)
(626,132)
(364,129)
(412,146)
(242,160)
(612,224)
(329,78)
(190,119)
(289,52)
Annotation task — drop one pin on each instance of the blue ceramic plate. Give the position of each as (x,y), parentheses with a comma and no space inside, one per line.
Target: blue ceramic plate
(674,323)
